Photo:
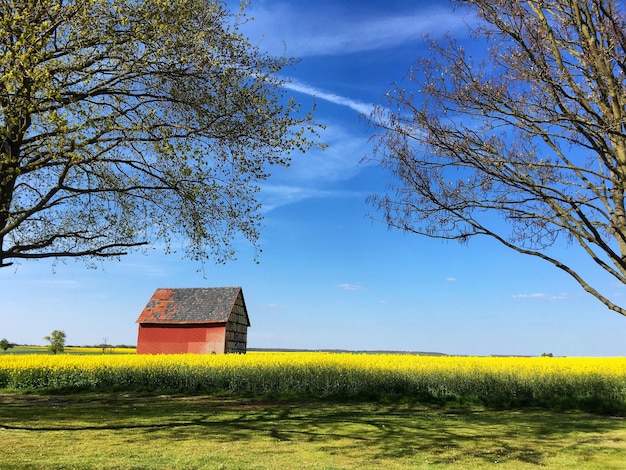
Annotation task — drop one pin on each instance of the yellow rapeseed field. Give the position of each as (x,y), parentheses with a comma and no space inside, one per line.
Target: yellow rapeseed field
(597,382)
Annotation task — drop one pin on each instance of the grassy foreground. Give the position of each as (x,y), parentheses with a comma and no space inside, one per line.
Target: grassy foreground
(92,431)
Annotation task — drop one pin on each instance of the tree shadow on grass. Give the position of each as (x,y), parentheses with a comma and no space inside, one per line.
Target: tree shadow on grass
(368,430)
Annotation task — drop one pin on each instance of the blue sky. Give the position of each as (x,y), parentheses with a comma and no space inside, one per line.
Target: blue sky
(329,276)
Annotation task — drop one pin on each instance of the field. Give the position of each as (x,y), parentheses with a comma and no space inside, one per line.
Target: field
(311,410)
(69,350)
(597,385)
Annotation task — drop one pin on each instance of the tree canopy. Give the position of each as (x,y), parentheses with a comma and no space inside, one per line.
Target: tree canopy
(4,344)
(124,122)
(56,340)
(533,134)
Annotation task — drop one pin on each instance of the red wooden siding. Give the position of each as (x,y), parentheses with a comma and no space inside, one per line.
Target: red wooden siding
(180,339)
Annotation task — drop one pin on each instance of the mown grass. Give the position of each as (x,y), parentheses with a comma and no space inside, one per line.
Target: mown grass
(130,431)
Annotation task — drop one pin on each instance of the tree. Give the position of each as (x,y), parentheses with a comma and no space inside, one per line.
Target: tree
(4,344)
(57,341)
(533,135)
(105,345)
(128,122)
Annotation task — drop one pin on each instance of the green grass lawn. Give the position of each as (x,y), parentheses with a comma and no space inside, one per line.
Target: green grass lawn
(90,431)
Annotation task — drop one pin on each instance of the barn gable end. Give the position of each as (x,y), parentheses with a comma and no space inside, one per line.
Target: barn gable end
(194,320)
(237,327)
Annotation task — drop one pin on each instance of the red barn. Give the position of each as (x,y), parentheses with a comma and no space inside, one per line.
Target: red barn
(194,320)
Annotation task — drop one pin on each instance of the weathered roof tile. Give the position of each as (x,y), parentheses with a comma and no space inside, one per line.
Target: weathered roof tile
(190,305)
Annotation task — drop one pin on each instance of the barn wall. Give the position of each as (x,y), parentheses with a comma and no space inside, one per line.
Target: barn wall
(237,328)
(180,339)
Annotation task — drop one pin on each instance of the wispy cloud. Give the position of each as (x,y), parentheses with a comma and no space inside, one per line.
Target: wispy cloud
(541,295)
(145,269)
(322,34)
(350,286)
(311,175)
(451,279)
(58,283)
(339,161)
(375,34)
(273,196)
(274,306)
(28,278)
(358,106)
(536,295)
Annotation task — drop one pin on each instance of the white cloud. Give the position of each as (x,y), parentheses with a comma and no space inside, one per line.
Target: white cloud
(144,269)
(338,161)
(350,286)
(273,196)
(541,295)
(279,28)
(536,295)
(310,175)
(358,106)
(373,34)
(562,296)
(28,277)
(57,283)
(451,279)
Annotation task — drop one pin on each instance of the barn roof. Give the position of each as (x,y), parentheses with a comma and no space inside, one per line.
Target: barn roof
(191,305)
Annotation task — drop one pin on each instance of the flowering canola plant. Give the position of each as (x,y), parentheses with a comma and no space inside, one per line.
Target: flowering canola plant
(591,382)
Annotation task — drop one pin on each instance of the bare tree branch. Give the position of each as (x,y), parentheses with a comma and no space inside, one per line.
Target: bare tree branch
(535,134)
